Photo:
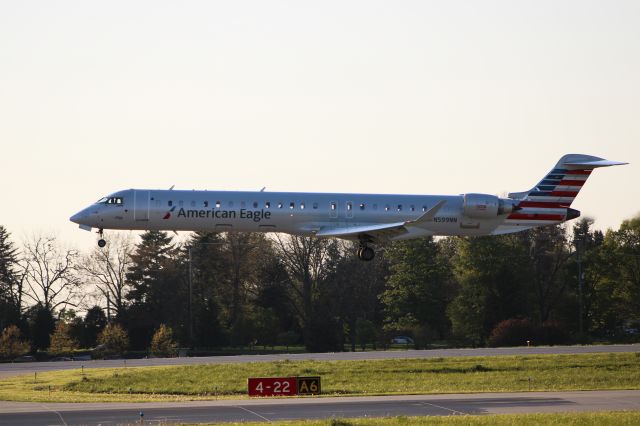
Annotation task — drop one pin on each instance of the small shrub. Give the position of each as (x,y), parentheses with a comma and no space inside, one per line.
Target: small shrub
(11,345)
(62,343)
(516,332)
(513,332)
(113,340)
(162,343)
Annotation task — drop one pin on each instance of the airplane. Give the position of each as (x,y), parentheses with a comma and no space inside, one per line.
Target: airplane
(368,219)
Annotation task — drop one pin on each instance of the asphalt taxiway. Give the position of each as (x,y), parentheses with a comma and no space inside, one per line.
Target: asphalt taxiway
(12,369)
(14,413)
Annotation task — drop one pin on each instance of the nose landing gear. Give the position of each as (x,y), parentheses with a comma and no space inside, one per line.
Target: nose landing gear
(101,241)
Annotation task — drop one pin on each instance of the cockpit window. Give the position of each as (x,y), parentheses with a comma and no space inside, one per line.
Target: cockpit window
(110,200)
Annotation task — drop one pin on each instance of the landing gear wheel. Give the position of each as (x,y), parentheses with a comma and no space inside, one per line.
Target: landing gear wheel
(366,253)
(101,241)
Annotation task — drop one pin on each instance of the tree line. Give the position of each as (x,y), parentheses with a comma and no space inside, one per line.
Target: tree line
(556,284)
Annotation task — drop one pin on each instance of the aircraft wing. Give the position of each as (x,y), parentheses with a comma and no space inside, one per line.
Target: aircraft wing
(377,232)
(370,232)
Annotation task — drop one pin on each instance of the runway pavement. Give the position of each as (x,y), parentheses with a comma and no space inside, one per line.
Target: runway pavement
(12,369)
(14,413)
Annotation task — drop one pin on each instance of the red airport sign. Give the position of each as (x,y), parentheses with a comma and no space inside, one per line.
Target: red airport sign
(283,386)
(273,386)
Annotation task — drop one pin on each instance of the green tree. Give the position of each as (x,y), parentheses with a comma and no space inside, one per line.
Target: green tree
(159,289)
(162,343)
(10,282)
(11,344)
(493,274)
(365,333)
(616,267)
(41,324)
(61,340)
(113,339)
(94,322)
(420,285)
(355,290)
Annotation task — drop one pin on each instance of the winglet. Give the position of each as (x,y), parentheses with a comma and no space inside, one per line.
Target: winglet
(428,215)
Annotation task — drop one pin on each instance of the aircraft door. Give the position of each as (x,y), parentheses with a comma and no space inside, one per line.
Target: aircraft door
(141,204)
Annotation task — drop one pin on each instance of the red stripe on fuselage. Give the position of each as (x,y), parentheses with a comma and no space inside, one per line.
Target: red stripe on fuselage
(536,216)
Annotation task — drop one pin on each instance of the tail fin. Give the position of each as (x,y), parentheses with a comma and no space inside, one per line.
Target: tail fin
(562,184)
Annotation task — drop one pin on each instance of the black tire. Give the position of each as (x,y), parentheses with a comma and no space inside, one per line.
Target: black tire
(101,243)
(367,254)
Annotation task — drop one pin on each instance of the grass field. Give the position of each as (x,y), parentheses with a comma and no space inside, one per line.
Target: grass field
(602,418)
(379,377)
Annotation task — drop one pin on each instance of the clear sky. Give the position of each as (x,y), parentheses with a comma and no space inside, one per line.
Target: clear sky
(346,96)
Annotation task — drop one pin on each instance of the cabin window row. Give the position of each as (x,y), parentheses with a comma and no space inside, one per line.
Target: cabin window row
(292,205)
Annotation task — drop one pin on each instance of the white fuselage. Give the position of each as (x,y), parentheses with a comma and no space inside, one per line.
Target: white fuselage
(288,212)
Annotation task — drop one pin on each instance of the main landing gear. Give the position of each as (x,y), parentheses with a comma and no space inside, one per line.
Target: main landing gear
(366,253)
(101,241)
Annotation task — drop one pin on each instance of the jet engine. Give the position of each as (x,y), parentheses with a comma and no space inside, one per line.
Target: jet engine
(485,206)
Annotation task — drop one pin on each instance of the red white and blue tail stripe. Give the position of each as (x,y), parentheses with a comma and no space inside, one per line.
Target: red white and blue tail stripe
(550,200)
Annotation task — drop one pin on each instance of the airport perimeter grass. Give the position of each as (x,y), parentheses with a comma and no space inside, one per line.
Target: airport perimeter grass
(616,418)
(375,377)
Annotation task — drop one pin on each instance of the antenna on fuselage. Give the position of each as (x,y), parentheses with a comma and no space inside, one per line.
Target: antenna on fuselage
(263,188)
(172,186)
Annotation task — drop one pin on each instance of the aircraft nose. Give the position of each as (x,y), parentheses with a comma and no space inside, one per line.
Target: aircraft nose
(76,218)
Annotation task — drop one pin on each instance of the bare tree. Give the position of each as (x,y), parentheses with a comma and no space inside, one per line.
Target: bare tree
(106,268)
(306,260)
(50,275)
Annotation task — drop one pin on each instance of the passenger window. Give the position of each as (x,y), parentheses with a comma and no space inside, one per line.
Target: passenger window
(230,203)
(412,207)
(206,204)
(267,205)
(424,208)
(361,206)
(349,206)
(218,204)
(255,204)
(181,203)
(386,208)
(315,205)
(301,206)
(292,205)
(280,205)
(333,205)
(399,207)
(242,204)
(193,203)
(169,203)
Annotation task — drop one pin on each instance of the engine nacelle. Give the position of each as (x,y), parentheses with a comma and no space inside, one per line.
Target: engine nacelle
(485,206)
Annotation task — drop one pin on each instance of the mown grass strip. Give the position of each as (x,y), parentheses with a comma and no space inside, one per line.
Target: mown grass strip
(378,377)
(601,418)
